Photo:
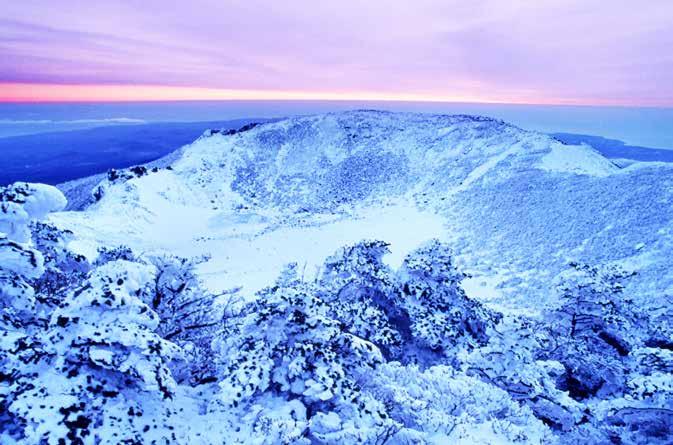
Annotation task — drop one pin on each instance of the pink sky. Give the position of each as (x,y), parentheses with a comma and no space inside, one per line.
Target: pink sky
(544,51)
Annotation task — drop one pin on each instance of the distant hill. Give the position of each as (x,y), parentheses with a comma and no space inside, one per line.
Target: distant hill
(612,148)
(53,158)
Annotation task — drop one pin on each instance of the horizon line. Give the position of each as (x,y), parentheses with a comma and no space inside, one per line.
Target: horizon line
(90,93)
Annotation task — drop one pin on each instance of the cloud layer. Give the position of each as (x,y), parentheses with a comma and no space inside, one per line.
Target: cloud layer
(567,51)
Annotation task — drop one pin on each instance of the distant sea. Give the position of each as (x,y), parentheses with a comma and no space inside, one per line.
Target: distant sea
(57,142)
(647,127)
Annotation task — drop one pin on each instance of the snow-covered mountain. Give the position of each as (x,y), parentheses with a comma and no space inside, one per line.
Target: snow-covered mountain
(517,206)
(357,277)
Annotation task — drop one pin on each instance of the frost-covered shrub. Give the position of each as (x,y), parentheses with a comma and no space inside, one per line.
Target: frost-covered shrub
(21,202)
(20,262)
(443,405)
(442,317)
(593,330)
(362,293)
(108,254)
(270,420)
(510,361)
(115,176)
(106,322)
(63,268)
(80,362)
(188,315)
(286,344)
(320,342)
(19,265)
(616,365)
(101,359)
(645,413)
(419,313)
(23,316)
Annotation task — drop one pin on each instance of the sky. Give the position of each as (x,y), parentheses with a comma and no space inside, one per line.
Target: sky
(582,52)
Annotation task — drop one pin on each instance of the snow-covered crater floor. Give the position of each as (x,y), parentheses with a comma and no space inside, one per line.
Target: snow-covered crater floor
(246,250)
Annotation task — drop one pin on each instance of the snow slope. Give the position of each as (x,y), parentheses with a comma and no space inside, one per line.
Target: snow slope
(516,205)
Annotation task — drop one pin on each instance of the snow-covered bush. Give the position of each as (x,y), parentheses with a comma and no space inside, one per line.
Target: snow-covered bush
(188,314)
(82,360)
(115,176)
(63,268)
(614,356)
(645,413)
(20,203)
(108,254)
(23,316)
(443,405)
(286,344)
(419,313)
(593,330)
(20,263)
(101,359)
(442,317)
(20,317)
(510,361)
(361,292)
(320,342)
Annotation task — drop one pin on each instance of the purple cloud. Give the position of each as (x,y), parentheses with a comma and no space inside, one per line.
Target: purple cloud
(581,50)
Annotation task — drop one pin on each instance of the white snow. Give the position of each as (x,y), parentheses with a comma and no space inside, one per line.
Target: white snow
(516,205)
(274,194)
(579,159)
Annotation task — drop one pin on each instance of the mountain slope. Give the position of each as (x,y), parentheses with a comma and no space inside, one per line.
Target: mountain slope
(516,205)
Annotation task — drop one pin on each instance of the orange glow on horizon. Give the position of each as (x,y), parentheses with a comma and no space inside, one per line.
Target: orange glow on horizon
(23,92)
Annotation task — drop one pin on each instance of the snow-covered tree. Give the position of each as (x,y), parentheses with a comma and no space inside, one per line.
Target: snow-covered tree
(287,344)
(440,404)
(593,330)
(189,315)
(320,342)
(19,311)
(645,413)
(63,268)
(22,312)
(441,315)
(510,361)
(115,176)
(417,313)
(108,254)
(361,292)
(20,263)
(615,360)
(102,360)
(80,361)
(21,203)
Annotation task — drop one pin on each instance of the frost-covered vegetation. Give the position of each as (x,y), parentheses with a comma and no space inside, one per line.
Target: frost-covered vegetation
(130,348)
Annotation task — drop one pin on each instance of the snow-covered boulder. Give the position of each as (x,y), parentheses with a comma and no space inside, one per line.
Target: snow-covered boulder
(22,202)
